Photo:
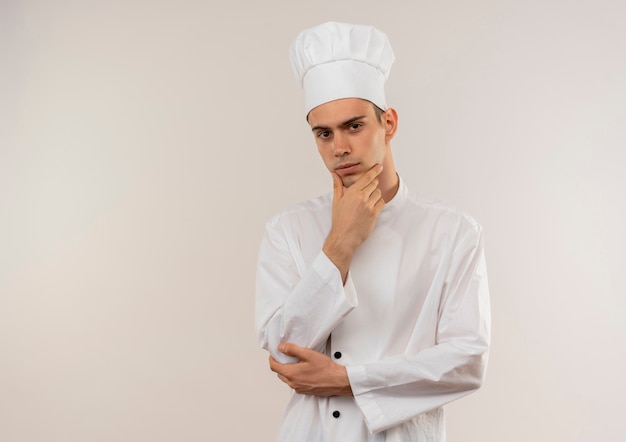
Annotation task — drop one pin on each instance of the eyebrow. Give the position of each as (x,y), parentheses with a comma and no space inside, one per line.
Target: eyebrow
(344,124)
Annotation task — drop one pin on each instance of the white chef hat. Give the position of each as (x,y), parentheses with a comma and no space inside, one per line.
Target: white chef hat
(340,60)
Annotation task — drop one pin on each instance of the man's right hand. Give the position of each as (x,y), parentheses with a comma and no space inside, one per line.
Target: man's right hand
(355,211)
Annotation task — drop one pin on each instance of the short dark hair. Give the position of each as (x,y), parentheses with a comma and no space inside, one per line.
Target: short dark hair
(378,112)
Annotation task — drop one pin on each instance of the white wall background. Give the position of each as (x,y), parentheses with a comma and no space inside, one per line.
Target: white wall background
(144,144)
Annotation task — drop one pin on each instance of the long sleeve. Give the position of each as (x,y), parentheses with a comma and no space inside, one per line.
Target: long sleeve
(298,300)
(411,324)
(398,388)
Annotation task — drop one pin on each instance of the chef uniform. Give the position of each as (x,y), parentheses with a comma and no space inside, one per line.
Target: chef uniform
(411,324)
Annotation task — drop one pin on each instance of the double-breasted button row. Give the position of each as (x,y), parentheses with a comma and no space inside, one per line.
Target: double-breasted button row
(336,413)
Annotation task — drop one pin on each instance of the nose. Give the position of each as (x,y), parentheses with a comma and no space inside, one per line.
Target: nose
(341,145)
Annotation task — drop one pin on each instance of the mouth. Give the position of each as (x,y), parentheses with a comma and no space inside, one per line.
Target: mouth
(347,168)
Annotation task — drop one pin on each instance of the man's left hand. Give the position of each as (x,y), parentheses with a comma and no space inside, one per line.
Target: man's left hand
(316,374)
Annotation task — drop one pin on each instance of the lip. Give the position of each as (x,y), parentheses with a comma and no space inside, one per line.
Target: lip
(347,168)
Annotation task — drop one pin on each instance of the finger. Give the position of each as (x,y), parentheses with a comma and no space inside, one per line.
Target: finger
(375,170)
(376,197)
(293,350)
(277,367)
(283,378)
(337,186)
(370,187)
(370,175)
(379,205)
(274,364)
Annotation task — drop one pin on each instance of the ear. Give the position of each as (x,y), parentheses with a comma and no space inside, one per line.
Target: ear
(390,121)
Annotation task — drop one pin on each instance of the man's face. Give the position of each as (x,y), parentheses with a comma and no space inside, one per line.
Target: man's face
(349,136)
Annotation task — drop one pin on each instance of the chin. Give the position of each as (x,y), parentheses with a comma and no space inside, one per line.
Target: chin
(349,180)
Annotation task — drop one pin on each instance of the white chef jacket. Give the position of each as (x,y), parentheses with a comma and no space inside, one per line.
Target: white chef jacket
(411,324)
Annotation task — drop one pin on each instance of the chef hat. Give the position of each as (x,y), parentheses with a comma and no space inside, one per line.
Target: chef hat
(340,60)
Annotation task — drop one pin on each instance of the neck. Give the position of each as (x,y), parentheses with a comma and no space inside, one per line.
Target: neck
(389,189)
(388,181)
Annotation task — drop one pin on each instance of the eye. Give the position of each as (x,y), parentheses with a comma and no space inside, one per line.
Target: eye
(355,126)
(323,134)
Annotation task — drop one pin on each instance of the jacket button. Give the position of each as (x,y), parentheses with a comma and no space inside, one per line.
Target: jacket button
(336,414)
(337,355)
